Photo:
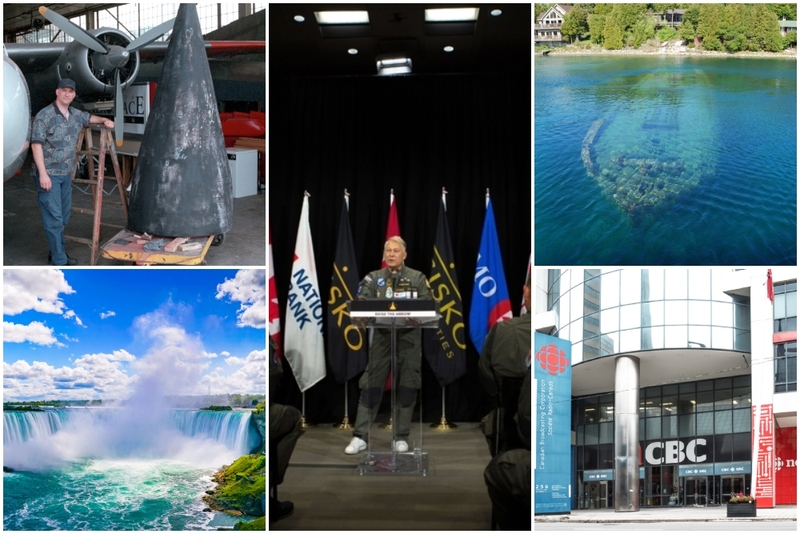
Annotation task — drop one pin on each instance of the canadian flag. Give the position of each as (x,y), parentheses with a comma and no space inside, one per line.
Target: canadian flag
(274,310)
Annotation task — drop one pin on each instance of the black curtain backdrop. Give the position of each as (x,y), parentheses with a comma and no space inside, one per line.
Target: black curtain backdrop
(413,135)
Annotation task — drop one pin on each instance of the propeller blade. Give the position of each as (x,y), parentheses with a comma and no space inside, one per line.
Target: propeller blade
(149,36)
(119,114)
(79,34)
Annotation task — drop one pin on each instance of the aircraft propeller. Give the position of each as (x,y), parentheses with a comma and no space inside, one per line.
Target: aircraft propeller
(115,57)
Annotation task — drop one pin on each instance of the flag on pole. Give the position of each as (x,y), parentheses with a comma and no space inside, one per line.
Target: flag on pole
(303,344)
(274,309)
(523,309)
(392,229)
(445,347)
(490,302)
(347,347)
(770,288)
(392,225)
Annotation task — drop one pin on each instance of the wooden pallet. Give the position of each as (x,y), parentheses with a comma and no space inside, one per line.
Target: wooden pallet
(127,246)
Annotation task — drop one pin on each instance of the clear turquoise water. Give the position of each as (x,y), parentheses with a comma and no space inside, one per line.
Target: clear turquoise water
(111,495)
(102,470)
(694,161)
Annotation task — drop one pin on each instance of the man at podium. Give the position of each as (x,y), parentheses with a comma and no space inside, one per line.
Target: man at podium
(395,281)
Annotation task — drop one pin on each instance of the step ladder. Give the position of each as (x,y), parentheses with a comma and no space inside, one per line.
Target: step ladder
(96,178)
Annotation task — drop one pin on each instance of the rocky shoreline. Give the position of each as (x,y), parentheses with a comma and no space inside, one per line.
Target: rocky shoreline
(670,49)
(241,488)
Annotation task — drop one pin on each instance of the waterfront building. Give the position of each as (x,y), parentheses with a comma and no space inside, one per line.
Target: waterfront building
(547,29)
(709,356)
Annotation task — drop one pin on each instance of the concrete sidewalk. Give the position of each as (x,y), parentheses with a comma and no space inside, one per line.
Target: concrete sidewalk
(658,515)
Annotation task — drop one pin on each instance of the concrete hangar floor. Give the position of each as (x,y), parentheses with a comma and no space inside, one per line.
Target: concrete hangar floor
(24,240)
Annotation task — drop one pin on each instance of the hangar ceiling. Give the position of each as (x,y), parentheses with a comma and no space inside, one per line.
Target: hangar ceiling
(21,17)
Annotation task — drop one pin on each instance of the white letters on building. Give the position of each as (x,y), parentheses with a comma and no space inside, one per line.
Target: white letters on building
(672,452)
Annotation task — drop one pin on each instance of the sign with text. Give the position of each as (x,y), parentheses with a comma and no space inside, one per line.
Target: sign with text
(764,451)
(553,411)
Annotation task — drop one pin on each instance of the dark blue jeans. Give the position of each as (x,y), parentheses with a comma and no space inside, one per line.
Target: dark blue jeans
(56,206)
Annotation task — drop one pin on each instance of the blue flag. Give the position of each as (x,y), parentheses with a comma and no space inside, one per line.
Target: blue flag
(490,302)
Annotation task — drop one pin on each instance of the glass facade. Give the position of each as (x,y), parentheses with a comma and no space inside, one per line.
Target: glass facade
(784,308)
(785,367)
(704,425)
(611,311)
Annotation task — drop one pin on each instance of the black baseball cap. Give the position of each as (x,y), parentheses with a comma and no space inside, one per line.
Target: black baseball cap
(66,82)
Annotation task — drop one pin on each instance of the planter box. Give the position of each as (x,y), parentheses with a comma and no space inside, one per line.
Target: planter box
(747,509)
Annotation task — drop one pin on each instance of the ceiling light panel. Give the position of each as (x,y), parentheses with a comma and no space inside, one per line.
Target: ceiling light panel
(458,14)
(342,17)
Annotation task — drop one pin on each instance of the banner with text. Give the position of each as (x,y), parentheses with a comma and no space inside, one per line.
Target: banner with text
(552,469)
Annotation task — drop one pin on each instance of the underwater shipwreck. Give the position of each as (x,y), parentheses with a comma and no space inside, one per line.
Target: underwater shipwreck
(652,148)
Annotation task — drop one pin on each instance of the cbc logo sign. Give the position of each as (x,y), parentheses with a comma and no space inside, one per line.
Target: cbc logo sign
(674,452)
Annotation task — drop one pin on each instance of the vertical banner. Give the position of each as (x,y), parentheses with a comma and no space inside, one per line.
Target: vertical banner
(304,347)
(347,350)
(553,425)
(764,456)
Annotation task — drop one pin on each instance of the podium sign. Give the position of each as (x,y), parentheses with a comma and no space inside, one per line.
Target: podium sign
(552,425)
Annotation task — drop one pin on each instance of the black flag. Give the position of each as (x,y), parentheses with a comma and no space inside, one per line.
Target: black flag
(446,346)
(347,345)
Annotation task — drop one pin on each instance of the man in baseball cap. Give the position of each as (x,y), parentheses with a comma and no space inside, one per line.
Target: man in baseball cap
(53,144)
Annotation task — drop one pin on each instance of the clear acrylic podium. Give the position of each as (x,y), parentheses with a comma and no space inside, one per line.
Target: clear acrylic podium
(393,315)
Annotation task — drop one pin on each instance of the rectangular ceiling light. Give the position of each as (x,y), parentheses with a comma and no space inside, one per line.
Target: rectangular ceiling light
(342,17)
(456,14)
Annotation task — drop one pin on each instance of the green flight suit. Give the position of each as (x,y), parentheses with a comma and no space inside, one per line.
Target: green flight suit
(284,422)
(384,284)
(508,475)
(506,353)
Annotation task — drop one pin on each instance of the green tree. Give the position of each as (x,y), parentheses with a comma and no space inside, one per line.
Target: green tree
(784,11)
(603,9)
(575,23)
(612,35)
(642,31)
(667,33)
(686,31)
(790,39)
(627,15)
(765,30)
(708,26)
(597,24)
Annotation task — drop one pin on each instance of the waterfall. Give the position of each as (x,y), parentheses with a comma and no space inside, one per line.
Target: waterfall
(231,429)
(22,426)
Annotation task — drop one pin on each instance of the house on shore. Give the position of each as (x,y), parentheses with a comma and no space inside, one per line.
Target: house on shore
(787,26)
(547,29)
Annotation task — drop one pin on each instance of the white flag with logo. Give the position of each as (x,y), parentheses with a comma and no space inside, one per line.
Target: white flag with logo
(304,347)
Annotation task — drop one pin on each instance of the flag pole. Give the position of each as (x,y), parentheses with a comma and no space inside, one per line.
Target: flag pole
(345,424)
(443,424)
(303,423)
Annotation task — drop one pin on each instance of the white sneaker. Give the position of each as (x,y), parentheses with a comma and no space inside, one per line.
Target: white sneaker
(400,446)
(356,445)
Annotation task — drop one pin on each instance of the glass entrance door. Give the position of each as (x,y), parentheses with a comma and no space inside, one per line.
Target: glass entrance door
(731,485)
(696,491)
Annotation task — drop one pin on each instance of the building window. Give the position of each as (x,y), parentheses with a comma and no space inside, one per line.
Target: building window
(786,367)
(785,307)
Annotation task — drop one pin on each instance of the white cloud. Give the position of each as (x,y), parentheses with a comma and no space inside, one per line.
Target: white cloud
(250,377)
(70,314)
(173,363)
(249,288)
(91,375)
(35,332)
(106,315)
(36,290)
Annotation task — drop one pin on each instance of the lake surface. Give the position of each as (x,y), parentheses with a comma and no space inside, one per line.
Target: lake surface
(665,160)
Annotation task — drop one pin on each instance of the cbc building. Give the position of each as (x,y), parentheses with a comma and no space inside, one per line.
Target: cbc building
(684,383)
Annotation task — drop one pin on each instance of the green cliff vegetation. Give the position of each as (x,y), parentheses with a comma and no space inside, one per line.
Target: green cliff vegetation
(241,487)
(256,524)
(217,408)
(260,407)
(714,27)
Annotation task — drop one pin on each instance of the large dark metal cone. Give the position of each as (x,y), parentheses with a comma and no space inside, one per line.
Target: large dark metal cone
(182,185)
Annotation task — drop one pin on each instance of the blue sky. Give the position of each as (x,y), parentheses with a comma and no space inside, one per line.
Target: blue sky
(103,333)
